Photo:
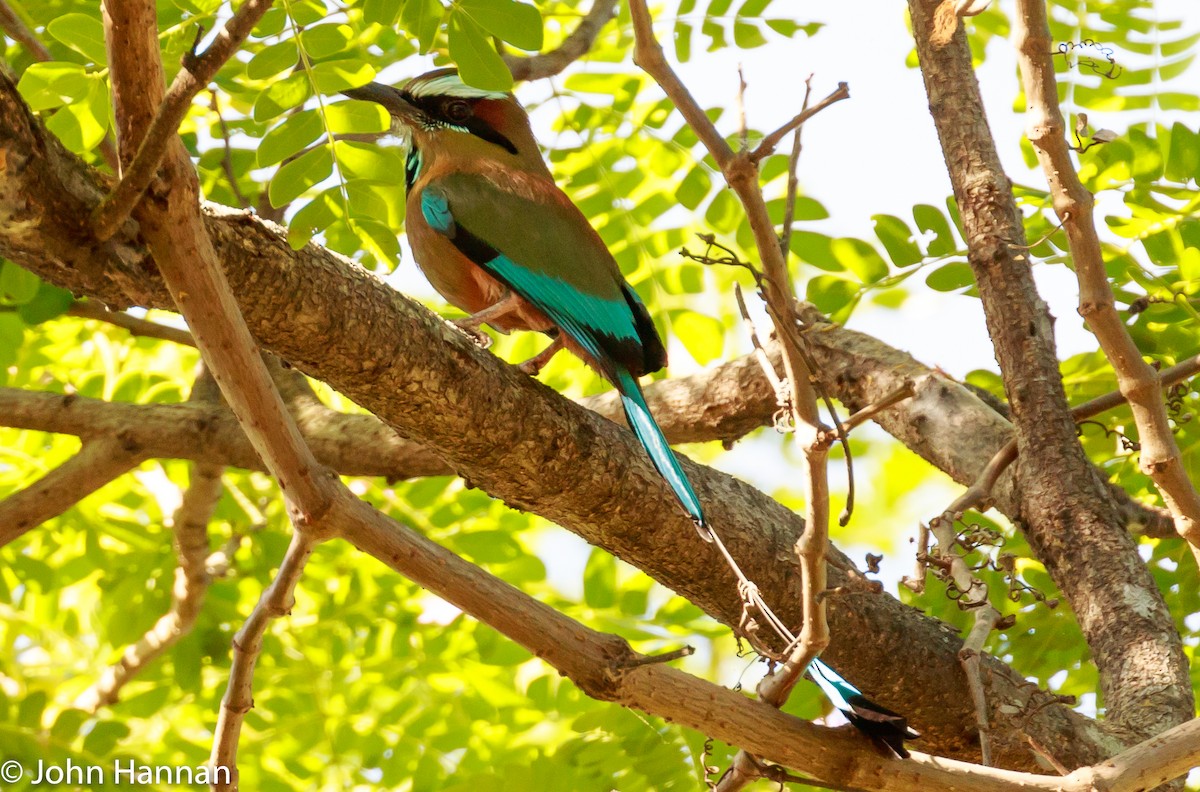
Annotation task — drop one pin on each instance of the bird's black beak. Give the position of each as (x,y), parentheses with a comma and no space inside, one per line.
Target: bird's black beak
(392,99)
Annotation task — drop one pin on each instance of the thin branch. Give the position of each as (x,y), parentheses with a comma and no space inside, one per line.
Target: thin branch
(986,619)
(185,256)
(574,46)
(276,601)
(766,146)
(141,328)
(192,579)
(154,140)
(1139,382)
(793,181)
(98,462)
(227,157)
(905,391)
(17,31)
(741,173)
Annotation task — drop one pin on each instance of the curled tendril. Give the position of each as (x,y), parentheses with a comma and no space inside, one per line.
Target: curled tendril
(1114,69)
(1126,443)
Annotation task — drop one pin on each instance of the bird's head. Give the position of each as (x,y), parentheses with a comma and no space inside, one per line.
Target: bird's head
(437,110)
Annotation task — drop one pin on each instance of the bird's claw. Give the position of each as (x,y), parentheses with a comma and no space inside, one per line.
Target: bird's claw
(482,339)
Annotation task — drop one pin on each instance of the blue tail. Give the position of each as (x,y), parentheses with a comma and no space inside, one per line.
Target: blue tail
(651,438)
(887,729)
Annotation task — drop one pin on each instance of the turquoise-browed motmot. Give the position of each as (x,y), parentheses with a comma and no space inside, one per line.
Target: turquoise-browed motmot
(497,238)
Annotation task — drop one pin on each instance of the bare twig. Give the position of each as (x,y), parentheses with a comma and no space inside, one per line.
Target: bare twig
(778,386)
(1138,380)
(741,173)
(276,601)
(17,31)
(766,146)
(793,181)
(227,158)
(87,309)
(574,46)
(986,618)
(98,462)
(1044,753)
(154,140)
(192,580)
(905,391)
(973,595)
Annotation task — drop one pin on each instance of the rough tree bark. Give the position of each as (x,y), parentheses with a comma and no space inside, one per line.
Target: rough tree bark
(1070,520)
(431,384)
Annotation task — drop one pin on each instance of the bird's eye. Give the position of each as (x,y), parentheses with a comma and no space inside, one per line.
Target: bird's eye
(457,111)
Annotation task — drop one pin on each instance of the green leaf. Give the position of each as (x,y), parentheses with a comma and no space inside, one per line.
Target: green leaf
(930,219)
(307,12)
(517,23)
(1183,158)
(49,302)
(53,84)
(897,240)
(12,334)
(290,137)
(281,96)
(421,18)
(702,336)
(830,293)
(860,258)
(17,286)
(381,242)
(600,580)
(951,277)
(694,188)
(381,12)
(82,33)
(495,649)
(271,24)
(301,174)
(338,75)
(748,36)
(82,125)
(357,117)
(315,216)
(478,62)
(724,213)
(272,60)
(321,41)
(364,161)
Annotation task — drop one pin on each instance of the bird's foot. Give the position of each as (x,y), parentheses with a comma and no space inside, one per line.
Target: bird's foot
(471,328)
(535,364)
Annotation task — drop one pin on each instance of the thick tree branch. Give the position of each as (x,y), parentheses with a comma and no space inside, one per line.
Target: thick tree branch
(1067,514)
(574,46)
(525,444)
(97,463)
(1139,381)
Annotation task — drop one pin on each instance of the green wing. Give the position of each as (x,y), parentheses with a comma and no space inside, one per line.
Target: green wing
(543,248)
